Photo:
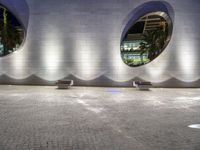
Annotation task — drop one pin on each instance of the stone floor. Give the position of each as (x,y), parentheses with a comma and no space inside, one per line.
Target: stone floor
(90,118)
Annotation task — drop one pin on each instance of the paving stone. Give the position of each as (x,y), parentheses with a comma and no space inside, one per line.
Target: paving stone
(91,118)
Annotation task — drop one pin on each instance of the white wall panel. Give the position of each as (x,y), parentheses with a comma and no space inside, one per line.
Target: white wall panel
(81,40)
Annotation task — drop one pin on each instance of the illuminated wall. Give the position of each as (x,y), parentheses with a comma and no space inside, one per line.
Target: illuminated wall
(80,40)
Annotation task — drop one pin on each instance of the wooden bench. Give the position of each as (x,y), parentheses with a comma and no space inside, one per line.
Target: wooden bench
(64,84)
(141,85)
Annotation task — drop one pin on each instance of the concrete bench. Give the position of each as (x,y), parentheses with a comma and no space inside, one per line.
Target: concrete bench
(64,84)
(141,85)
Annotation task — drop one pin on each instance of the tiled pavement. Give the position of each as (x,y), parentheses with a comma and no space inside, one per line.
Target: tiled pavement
(88,118)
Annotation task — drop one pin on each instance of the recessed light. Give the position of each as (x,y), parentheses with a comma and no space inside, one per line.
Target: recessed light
(194,126)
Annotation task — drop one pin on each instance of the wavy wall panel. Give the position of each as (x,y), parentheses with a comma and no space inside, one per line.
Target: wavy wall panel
(81,40)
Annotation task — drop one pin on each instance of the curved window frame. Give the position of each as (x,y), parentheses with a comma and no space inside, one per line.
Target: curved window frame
(160,8)
(22,27)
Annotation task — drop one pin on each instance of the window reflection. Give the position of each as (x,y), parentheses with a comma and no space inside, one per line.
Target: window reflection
(146,39)
(11,32)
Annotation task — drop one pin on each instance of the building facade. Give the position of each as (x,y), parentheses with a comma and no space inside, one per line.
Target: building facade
(80,40)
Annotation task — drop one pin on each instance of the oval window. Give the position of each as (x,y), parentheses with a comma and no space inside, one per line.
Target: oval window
(146,39)
(11,32)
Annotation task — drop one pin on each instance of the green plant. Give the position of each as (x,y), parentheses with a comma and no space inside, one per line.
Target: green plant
(10,35)
(154,41)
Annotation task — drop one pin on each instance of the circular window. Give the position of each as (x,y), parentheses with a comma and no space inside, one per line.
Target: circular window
(146,38)
(11,32)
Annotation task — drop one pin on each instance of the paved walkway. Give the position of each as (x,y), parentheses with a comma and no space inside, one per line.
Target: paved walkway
(85,118)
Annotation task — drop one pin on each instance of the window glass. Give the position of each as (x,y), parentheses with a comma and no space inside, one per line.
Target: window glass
(11,32)
(146,39)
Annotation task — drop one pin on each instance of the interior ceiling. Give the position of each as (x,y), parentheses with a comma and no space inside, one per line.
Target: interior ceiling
(152,22)
(147,23)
